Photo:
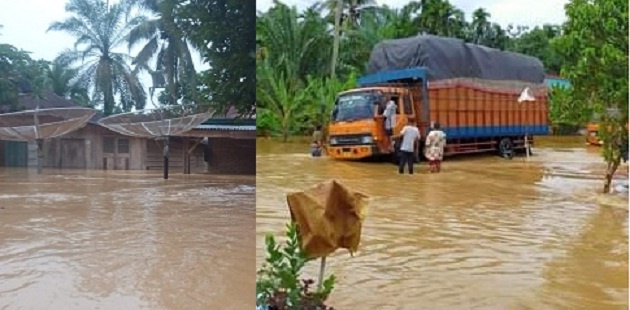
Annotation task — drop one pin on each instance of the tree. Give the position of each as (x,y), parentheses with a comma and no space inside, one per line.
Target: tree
(11,61)
(537,42)
(595,48)
(224,33)
(62,80)
(165,41)
(99,29)
(278,95)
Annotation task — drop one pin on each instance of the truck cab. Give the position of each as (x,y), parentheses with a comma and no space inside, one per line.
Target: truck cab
(357,125)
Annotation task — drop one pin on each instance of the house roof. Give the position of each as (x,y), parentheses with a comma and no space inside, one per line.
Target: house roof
(230,120)
(49,100)
(226,127)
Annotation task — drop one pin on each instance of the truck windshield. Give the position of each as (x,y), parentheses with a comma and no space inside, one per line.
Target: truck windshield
(354,106)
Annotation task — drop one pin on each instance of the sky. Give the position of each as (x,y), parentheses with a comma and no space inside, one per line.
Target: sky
(25,24)
(504,12)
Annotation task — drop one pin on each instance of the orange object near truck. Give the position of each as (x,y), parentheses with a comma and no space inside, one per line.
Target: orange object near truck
(476,115)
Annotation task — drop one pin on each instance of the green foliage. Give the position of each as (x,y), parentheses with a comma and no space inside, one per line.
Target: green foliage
(99,29)
(165,42)
(12,63)
(565,109)
(279,286)
(224,32)
(62,80)
(595,49)
(294,51)
(538,43)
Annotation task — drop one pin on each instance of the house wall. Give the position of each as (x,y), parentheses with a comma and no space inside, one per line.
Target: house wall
(155,158)
(232,156)
(84,149)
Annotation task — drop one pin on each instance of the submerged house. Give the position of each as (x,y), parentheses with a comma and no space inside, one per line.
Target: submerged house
(221,145)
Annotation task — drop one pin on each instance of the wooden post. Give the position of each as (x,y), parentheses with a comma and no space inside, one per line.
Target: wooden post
(186,155)
(40,155)
(165,153)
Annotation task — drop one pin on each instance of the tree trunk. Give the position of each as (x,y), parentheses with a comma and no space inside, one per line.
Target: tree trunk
(610,172)
(285,135)
(335,54)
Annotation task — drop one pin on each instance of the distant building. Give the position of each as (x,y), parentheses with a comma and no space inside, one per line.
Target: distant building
(557,82)
(220,145)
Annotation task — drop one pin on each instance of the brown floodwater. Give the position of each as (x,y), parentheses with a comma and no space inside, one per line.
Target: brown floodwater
(78,239)
(487,233)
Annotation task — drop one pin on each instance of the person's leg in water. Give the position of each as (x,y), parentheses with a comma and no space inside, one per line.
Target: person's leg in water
(410,159)
(401,162)
(438,165)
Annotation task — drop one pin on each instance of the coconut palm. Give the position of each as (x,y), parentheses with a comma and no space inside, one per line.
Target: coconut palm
(167,44)
(100,28)
(480,26)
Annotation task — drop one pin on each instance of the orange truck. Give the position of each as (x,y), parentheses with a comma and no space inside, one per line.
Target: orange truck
(477,115)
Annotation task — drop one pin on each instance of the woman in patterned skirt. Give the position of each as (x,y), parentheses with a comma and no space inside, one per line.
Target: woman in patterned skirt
(434,147)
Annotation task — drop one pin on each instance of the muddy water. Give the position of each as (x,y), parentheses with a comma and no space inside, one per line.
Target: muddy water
(487,233)
(95,240)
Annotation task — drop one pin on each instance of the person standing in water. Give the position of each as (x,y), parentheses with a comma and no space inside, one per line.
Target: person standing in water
(434,148)
(410,137)
(390,120)
(316,143)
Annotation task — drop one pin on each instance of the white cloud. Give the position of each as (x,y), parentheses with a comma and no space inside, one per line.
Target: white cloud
(504,12)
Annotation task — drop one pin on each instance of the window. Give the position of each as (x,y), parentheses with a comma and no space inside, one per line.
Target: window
(108,145)
(123,146)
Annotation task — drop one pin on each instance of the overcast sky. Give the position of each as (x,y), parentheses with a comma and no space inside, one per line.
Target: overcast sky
(25,24)
(504,12)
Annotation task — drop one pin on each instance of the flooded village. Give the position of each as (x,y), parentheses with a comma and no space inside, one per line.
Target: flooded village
(474,162)
(126,181)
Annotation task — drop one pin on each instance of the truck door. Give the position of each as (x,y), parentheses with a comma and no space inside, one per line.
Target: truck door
(421,116)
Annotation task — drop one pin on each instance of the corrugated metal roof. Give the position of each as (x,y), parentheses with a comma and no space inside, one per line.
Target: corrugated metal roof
(226,127)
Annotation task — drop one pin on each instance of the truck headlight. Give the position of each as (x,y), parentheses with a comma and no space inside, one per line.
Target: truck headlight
(333,141)
(367,140)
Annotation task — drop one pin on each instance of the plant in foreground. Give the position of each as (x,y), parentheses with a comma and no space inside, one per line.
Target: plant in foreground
(279,286)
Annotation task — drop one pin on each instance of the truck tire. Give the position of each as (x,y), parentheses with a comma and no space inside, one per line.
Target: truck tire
(506,148)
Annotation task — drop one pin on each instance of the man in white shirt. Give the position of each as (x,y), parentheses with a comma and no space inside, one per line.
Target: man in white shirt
(410,136)
(390,119)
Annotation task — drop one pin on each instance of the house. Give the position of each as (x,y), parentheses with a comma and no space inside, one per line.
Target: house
(209,148)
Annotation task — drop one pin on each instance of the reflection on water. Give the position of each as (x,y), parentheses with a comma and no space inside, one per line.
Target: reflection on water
(487,233)
(114,240)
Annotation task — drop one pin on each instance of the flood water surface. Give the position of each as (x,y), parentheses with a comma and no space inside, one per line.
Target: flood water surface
(96,240)
(487,233)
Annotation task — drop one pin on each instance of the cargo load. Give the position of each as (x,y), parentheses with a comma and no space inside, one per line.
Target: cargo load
(450,58)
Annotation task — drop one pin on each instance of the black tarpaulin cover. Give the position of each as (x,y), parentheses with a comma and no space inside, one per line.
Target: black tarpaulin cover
(448,58)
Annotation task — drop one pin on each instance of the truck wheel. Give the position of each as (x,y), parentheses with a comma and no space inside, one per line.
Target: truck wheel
(506,149)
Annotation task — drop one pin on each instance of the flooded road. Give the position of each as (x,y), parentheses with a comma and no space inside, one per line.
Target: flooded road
(117,240)
(487,233)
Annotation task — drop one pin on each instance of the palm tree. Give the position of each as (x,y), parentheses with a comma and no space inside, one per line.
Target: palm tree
(440,17)
(296,44)
(166,41)
(62,80)
(99,29)
(480,26)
